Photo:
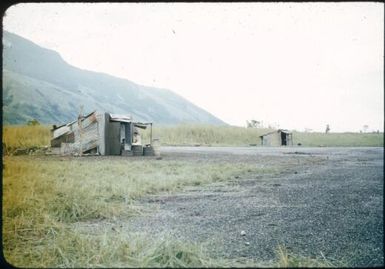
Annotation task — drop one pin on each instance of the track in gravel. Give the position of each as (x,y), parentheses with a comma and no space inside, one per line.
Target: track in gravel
(325,201)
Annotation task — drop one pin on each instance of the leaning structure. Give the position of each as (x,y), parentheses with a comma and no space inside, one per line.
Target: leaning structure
(102,133)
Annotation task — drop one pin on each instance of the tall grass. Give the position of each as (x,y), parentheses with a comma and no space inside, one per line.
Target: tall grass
(69,248)
(200,134)
(339,139)
(239,136)
(23,136)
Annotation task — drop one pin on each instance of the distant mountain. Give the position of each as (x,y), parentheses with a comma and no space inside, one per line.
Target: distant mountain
(39,84)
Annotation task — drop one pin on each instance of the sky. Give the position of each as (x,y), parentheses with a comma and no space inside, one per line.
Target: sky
(295,66)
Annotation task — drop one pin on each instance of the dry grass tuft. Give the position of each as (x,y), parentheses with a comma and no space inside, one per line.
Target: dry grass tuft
(286,259)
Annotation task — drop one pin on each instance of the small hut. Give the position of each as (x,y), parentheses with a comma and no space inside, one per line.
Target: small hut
(101,133)
(277,138)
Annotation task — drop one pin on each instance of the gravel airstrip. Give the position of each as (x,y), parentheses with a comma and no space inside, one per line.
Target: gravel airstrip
(317,202)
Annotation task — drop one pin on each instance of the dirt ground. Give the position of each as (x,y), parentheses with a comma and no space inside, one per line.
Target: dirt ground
(318,202)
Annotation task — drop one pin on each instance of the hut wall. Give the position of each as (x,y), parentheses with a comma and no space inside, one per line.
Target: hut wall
(289,139)
(101,118)
(74,138)
(273,140)
(88,135)
(112,137)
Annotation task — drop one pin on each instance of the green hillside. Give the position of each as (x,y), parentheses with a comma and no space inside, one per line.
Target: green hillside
(39,84)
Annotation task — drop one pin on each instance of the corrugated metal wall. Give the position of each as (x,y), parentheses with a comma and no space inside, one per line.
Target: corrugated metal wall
(112,137)
(86,136)
(273,140)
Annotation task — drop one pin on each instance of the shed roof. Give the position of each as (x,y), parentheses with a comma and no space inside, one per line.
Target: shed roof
(120,118)
(277,131)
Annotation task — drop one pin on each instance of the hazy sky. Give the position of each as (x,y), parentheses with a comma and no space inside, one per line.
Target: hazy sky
(299,65)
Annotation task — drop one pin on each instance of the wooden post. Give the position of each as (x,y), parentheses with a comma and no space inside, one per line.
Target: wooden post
(80,117)
(151,134)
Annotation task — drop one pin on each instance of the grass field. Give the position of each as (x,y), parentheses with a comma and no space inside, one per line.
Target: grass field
(44,196)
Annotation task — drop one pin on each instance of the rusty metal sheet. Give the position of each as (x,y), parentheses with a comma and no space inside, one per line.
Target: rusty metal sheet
(87,139)
(60,131)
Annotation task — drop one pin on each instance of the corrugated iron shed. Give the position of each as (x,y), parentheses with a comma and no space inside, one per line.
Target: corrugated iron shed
(98,132)
(280,137)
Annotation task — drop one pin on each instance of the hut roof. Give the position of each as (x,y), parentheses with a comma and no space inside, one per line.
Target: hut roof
(277,131)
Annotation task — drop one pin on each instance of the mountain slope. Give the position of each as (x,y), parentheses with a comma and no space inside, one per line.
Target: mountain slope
(38,83)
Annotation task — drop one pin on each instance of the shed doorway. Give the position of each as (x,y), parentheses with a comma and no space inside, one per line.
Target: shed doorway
(283,139)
